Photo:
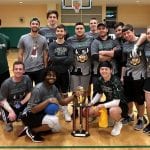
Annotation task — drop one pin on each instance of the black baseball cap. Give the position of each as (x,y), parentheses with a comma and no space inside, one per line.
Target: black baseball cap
(105,64)
(102,24)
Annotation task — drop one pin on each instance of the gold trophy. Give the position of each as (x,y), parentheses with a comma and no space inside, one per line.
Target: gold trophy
(83,129)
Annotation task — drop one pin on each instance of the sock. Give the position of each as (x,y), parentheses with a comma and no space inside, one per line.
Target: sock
(130,115)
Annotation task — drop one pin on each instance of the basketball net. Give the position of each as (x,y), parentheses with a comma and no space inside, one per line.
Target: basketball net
(76,4)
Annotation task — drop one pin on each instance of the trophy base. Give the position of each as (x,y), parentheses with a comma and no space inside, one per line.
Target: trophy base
(79,133)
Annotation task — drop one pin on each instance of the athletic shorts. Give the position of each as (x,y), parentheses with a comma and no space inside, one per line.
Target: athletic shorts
(18,113)
(133,90)
(32,120)
(79,80)
(147,85)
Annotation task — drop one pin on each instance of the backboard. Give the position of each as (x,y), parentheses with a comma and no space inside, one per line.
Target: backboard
(84,4)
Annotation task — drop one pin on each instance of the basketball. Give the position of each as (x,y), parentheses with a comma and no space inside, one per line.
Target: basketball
(51,109)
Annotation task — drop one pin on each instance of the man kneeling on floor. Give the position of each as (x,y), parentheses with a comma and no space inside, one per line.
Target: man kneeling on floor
(40,114)
(115,101)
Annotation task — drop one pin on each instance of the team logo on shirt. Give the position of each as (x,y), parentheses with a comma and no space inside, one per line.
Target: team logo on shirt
(34,50)
(135,60)
(82,55)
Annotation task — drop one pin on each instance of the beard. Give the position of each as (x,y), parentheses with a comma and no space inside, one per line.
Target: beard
(35,30)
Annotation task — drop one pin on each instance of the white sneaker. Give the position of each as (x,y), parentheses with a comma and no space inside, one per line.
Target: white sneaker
(66,114)
(117,128)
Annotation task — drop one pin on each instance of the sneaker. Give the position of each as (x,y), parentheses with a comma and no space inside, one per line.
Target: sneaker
(144,119)
(34,137)
(9,127)
(147,129)
(23,131)
(127,120)
(117,128)
(66,113)
(139,125)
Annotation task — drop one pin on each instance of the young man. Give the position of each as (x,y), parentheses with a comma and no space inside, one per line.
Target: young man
(93,28)
(115,99)
(50,31)
(4,46)
(33,52)
(94,33)
(35,118)
(62,58)
(81,70)
(103,48)
(15,93)
(147,81)
(133,75)
(119,37)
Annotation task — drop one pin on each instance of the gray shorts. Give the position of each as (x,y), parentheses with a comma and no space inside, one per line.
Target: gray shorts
(79,81)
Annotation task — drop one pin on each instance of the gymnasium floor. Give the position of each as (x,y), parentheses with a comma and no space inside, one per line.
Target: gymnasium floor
(99,138)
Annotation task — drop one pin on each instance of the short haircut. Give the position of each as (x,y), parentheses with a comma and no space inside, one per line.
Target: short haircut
(35,19)
(80,23)
(47,70)
(61,26)
(128,27)
(52,12)
(18,63)
(117,24)
(93,18)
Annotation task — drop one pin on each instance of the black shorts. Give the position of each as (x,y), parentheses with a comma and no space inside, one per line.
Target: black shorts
(18,113)
(147,84)
(4,76)
(32,120)
(62,82)
(133,90)
(124,108)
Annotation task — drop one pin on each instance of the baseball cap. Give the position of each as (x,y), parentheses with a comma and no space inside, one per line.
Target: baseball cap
(102,24)
(105,64)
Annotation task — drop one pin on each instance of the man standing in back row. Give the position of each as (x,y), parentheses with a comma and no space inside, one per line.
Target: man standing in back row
(33,52)
(61,55)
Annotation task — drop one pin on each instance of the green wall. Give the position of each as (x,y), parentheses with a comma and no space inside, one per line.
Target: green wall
(15,33)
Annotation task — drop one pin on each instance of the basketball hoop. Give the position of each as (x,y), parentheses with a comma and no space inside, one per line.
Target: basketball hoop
(76,5)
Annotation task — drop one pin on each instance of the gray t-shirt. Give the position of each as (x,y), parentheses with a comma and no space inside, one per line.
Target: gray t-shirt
(94,35)
(135,67)
(147,54)
(40,93)
(99,45)
(82,51)
(15,91)
(49,33)
(33,48)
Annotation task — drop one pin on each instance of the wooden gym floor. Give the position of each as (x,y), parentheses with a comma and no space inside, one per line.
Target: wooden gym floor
(99,138)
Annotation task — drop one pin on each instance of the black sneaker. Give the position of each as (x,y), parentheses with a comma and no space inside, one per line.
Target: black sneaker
(127,120)
(34,137)
(139,125)
(23,132)
(144,119)
(147,129)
